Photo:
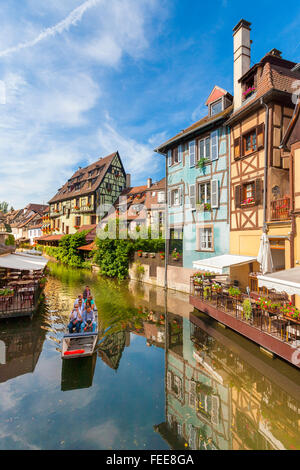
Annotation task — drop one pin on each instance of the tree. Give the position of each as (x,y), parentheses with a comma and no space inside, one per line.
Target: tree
(4,207)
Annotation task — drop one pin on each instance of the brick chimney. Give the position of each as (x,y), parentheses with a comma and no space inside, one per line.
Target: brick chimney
(241,57)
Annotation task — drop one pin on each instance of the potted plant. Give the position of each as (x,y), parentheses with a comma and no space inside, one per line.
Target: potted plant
(247,309)
(206,292)
(162,255)
(202,162)
(291,312)
(234,292)
(207,206)
(175,255)
(140,253)
(216,287)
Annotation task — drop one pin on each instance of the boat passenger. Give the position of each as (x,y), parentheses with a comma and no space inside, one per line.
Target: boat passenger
(91,301)
(75,320)
(88,323)
(81,306)
(86,292)
(78,298)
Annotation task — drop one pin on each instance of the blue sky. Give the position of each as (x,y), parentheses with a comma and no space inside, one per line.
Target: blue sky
(84,78)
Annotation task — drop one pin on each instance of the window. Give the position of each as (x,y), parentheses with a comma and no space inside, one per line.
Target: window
(77,221)
(204,193)
(205,239)
(161,197)
(175,196)
(249,142)
(216,107)
(249,194)
(204,148)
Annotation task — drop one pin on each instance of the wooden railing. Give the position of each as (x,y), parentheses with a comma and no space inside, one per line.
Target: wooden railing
(280,209)
(273,323)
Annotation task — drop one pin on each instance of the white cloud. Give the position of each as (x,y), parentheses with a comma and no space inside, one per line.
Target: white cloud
(137,158)
(71,20)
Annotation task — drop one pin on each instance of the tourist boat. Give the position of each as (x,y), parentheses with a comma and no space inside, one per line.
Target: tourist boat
(76,345)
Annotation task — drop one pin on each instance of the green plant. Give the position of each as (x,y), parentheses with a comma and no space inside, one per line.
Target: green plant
(234,291)
(4,292)
(175,254)
(202,162)
(206,292)
(290,311)
(139,271)
(216,287)
(247,309)
(10,240)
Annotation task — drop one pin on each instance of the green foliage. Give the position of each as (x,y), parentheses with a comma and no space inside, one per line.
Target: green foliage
(4,207)
(7,291)
(67,250)
(139,270)
(234,291)
(113,255)
(10,240)
(247,309)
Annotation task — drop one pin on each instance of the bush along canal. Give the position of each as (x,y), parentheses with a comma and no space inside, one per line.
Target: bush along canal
(162,377)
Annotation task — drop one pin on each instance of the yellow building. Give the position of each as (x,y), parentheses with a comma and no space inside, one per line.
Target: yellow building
(260,174)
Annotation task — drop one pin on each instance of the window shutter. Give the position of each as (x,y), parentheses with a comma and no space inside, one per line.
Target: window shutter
(169,157)
(192,394)
(169,198)
(193,196)
(237,147)
(215,403)
(260,132)
(192,149)
(169,380)
(258,191)
(214,142)
(215,194)
(201,149)
(180,196)
(180,153)
(238,191)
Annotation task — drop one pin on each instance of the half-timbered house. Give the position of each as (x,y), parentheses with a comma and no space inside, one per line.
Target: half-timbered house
(260,188)
(88,195)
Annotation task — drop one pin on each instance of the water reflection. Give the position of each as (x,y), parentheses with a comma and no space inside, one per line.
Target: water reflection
(21,343)
(162,377)
(221,393)
(78,373)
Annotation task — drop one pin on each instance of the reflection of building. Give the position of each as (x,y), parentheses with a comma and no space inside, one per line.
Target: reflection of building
(20,349)
(111,348)
(222,394)
(263,415)
(197,402)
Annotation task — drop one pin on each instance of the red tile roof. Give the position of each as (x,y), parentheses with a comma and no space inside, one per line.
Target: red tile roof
(89,247)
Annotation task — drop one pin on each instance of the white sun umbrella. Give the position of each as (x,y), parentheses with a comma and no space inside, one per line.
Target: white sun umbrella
(265,256)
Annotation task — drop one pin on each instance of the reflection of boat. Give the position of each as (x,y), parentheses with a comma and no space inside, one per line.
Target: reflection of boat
(81,376)
(79,344)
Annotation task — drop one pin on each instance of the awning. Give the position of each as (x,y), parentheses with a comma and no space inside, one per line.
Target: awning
(221,264)
(23,262)
(283,281)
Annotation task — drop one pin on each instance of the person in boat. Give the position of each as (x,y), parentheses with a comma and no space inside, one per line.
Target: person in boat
(89,323)
(81,306)
(90,301)
(78,298)
(75,320)
(86,292)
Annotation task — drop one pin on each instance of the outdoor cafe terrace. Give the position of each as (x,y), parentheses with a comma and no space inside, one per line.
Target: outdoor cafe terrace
(269,319)
(22,279)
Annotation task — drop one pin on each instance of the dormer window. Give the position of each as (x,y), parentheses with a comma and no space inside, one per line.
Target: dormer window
(216,107)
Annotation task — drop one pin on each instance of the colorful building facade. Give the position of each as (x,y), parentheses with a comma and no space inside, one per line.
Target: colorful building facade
(198,184)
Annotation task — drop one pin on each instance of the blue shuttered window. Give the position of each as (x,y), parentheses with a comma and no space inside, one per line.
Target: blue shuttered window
(192,153)
(214,142)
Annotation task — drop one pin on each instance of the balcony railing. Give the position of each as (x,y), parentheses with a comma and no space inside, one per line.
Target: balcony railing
(280,209)
(22,303)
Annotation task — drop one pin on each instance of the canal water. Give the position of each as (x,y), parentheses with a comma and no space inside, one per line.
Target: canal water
(163,377)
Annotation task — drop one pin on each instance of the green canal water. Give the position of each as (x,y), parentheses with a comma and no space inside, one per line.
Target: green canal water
(163,377)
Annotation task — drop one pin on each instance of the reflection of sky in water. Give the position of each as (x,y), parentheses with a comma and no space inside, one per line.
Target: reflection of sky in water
(117,412)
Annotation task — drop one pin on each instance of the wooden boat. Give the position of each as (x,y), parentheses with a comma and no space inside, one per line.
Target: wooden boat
(76,345)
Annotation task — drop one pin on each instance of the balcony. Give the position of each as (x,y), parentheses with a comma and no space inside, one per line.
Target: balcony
(280,209)
(87,208)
